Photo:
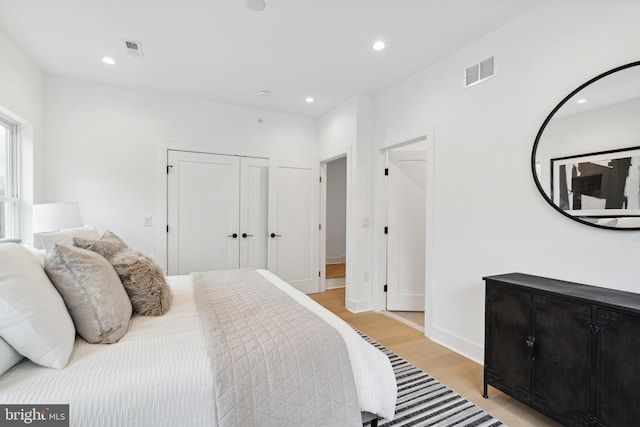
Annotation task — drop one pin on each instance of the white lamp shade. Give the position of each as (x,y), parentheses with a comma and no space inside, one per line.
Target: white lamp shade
(56,216)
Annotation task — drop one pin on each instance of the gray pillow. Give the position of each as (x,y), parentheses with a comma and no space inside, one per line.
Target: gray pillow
(92,291)
(107,246)
(144,281)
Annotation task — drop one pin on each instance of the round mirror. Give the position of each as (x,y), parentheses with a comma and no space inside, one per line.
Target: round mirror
(586,156)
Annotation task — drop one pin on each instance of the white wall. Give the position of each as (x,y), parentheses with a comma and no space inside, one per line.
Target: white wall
(103,147)
(336,247)
(488,217)
(348,129)
(22,99)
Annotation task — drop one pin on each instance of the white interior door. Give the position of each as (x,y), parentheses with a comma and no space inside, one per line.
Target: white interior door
(254,210)
(406,204)
(293,223)
(203,212)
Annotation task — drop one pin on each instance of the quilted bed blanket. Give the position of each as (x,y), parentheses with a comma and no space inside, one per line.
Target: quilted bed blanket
(274,362)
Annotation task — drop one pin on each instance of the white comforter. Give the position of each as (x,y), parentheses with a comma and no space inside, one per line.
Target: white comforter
(375,380)
(158,374)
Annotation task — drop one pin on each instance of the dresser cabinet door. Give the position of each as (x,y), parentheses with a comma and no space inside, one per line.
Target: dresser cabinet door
(562,360)
(618,374)
(507,330)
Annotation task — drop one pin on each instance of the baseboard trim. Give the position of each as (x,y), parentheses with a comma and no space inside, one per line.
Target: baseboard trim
(459,345)
(403,320)
(358,306)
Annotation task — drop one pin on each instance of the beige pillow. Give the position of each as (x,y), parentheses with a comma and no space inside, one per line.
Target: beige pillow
(144,281)
(92,291)
(108,245)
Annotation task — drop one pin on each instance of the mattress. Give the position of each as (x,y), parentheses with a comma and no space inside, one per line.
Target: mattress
(159,373)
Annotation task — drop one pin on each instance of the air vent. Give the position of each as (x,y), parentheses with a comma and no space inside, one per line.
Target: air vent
(134,48)
(479,72)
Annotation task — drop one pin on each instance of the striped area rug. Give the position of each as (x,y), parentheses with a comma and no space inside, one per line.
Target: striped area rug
(423,401)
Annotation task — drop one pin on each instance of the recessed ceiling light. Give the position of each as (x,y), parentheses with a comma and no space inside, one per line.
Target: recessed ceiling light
(264,93)
(379,45)
(582,101)
(255,5)
(109,60)
(309,99)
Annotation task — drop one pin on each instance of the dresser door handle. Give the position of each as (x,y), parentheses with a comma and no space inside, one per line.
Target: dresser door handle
(530,341)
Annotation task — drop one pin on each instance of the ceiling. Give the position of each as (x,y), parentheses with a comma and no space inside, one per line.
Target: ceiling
(221,50)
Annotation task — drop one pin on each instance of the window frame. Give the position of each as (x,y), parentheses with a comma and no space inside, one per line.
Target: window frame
(12,198)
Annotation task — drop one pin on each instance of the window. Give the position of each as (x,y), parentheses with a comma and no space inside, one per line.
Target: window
(8,178)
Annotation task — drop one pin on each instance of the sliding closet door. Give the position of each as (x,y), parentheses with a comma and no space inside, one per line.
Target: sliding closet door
(294,223)
(203,212)
(254,211)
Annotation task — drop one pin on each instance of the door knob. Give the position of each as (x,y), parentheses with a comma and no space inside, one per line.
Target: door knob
(275,235)
(234,235)
(245,235)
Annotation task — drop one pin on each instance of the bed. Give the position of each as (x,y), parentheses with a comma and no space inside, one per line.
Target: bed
(163,371)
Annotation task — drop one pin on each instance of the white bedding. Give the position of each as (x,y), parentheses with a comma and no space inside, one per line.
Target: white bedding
(375,380)
(158,374)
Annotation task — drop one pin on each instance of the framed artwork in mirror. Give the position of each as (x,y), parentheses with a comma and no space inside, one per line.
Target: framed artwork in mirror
(603,185)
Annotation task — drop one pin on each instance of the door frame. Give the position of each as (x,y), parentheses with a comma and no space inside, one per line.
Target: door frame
(323,221)
(380,239)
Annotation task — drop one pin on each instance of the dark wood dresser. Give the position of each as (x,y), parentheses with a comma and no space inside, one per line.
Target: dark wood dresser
(569,350)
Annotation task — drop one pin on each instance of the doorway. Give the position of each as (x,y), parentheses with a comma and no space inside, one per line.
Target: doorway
(336,223)
(406,179)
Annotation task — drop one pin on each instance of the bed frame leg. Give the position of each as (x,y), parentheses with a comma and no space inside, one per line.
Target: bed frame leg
(369,418)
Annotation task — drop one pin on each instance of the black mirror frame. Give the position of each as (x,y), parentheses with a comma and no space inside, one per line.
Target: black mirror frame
(539,135)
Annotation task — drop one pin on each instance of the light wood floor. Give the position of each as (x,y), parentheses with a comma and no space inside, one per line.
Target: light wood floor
(335,271)
(416,317)
(457,372)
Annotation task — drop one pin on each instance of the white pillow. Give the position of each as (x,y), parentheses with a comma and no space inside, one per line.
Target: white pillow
(40,254)
(33,317)
(65,237)
(8,356)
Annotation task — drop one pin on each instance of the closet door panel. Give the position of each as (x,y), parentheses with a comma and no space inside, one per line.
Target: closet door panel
(254,210)
(294,223)
(203,212)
